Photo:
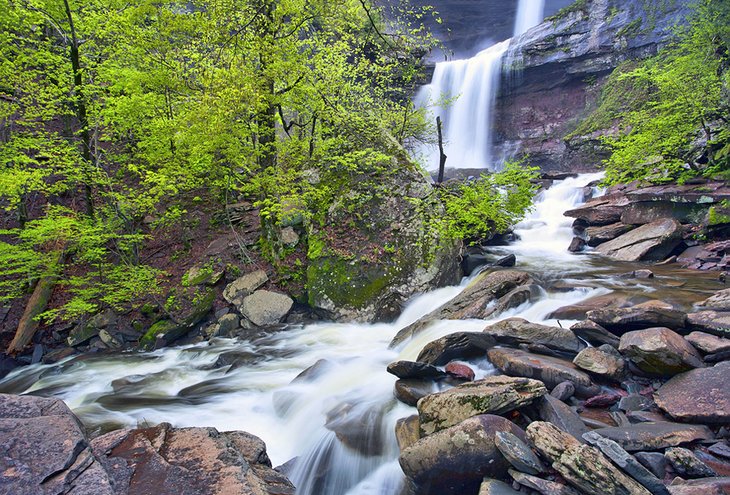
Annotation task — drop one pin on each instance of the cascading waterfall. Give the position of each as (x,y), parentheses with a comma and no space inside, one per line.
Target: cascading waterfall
(463,92)
(337,419)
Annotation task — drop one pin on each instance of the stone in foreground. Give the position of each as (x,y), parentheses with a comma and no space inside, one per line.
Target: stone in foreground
(701,395)
(454,461)
(493,395)
(651,242)
(518,453)
(660,351)
(655,436)
(583,466)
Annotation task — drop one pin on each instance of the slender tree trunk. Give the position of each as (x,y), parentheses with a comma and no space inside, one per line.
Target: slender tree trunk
(81,112)
(442,155)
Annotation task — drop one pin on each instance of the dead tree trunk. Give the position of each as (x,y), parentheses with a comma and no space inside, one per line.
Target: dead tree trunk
(442,155)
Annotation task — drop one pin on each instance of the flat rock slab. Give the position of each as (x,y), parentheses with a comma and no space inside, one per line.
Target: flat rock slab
(244,286)
(655,436)
(459,345)
(712,322)
(493,395)
(594,334)
(719,301)
(645,315)
(660,351)
(650,242)
(708,343)
(412,369)
(701,395)
(516,331)
(550,370)
(454,461)
(561,415)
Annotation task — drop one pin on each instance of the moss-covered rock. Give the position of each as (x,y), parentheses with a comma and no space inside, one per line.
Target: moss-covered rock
(168,331)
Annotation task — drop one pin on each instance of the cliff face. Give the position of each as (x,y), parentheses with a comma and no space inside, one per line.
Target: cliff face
(558,68)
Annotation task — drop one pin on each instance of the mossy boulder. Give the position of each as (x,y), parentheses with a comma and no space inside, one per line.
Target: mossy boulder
(169,331)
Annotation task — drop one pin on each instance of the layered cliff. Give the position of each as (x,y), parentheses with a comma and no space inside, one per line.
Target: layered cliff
(554,73)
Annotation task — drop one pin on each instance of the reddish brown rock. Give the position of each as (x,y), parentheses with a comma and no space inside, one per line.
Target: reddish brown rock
(700,395)
(460,371)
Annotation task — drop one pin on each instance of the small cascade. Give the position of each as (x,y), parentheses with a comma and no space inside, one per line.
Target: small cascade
(463,92)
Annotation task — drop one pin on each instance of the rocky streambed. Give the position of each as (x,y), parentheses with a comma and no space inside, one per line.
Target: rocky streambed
(565,373)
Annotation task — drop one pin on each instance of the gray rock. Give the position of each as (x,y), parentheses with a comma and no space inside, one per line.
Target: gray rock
(583,466)
(704,486)
(412,369)
(600,234)
(700,395)
(650,242)
(601,363)
(645,315)
(719,301)
(496,487)
(721,449)
(635,402)
(84,332)
(577,245)
(513,299)
(472,302)
(549,370)
(289,236)
(708,343)
(563,391)
(516,331)
(654,462)
(358,426)
(518,454)
(459,345)
(627,463)
(579,310)
(712,322)
(594,334)
(660,351)
(544,487)
(558,413)
(655,436)
(265,308)
(244,286)
(456,460)
(687,464)
(410,390)
(492,395)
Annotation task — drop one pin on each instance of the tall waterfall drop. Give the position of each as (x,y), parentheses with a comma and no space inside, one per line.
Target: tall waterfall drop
(462,93)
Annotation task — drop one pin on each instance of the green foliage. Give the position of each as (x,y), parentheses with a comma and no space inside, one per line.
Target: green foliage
(671,108)
(489,204)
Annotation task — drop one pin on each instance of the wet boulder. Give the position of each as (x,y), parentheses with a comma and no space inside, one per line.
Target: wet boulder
(655,435)
(412,369)
(472,302)
(407,431)
(583,466)
(561,415)
(550,370)
(594,334)
(651,242)
(660,351)
(492,395)
(459,345)
(518,454)
(358,426)
(598,235)
(645,315)
(459,371)
(513,299)
(579,310)
(700,395)
(410,390)
(599,211)
(516,331)
(454,461)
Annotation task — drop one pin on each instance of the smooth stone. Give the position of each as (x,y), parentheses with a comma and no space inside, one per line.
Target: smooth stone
(600,362)
(412,369)
(561,415)
(654,462)
(410,390)
(492,395)
(635,402)
(594,334)
(703,486)
(513,299)
(454,461)
(687,464)
(645,315)
(602,400)
(577,245)
(563,391)
(721,449)
(549,370)
(655,436)
(518,454)
(579,310)
(627,463)
(407,431)
(544,487)
(660,351)
(266,308)
(599,235)
(459,371)
(581,465)
(708,343)
(459,345)
(650,242)
(516,331)
(701,395)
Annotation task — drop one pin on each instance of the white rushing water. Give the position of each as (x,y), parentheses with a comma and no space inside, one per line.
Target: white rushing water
(347,391)
(463,92)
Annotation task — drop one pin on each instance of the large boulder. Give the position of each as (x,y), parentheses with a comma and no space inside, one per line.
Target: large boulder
(516,331)
(244,286)
(472,302)
(597,212)
(601,362)
(650,242)
(719,301)
(700,395)
(598,235)
(372,252)
(660,351)
(492,395)
(708,343)
(583,466)
(645,315)
(712,322)
(455,460)
(550,370)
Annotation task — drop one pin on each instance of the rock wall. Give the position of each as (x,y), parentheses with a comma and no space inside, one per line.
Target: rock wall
(557,69)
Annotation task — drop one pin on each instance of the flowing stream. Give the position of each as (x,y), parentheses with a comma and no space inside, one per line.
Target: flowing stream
(463,92)
(337,418)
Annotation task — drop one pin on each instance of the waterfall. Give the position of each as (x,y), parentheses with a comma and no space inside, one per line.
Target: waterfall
(463,92)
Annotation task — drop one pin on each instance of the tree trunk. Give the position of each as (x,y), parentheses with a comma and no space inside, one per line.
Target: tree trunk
(36,305)
(442,155)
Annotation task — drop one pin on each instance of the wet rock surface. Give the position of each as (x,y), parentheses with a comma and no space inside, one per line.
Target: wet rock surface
(700,395)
